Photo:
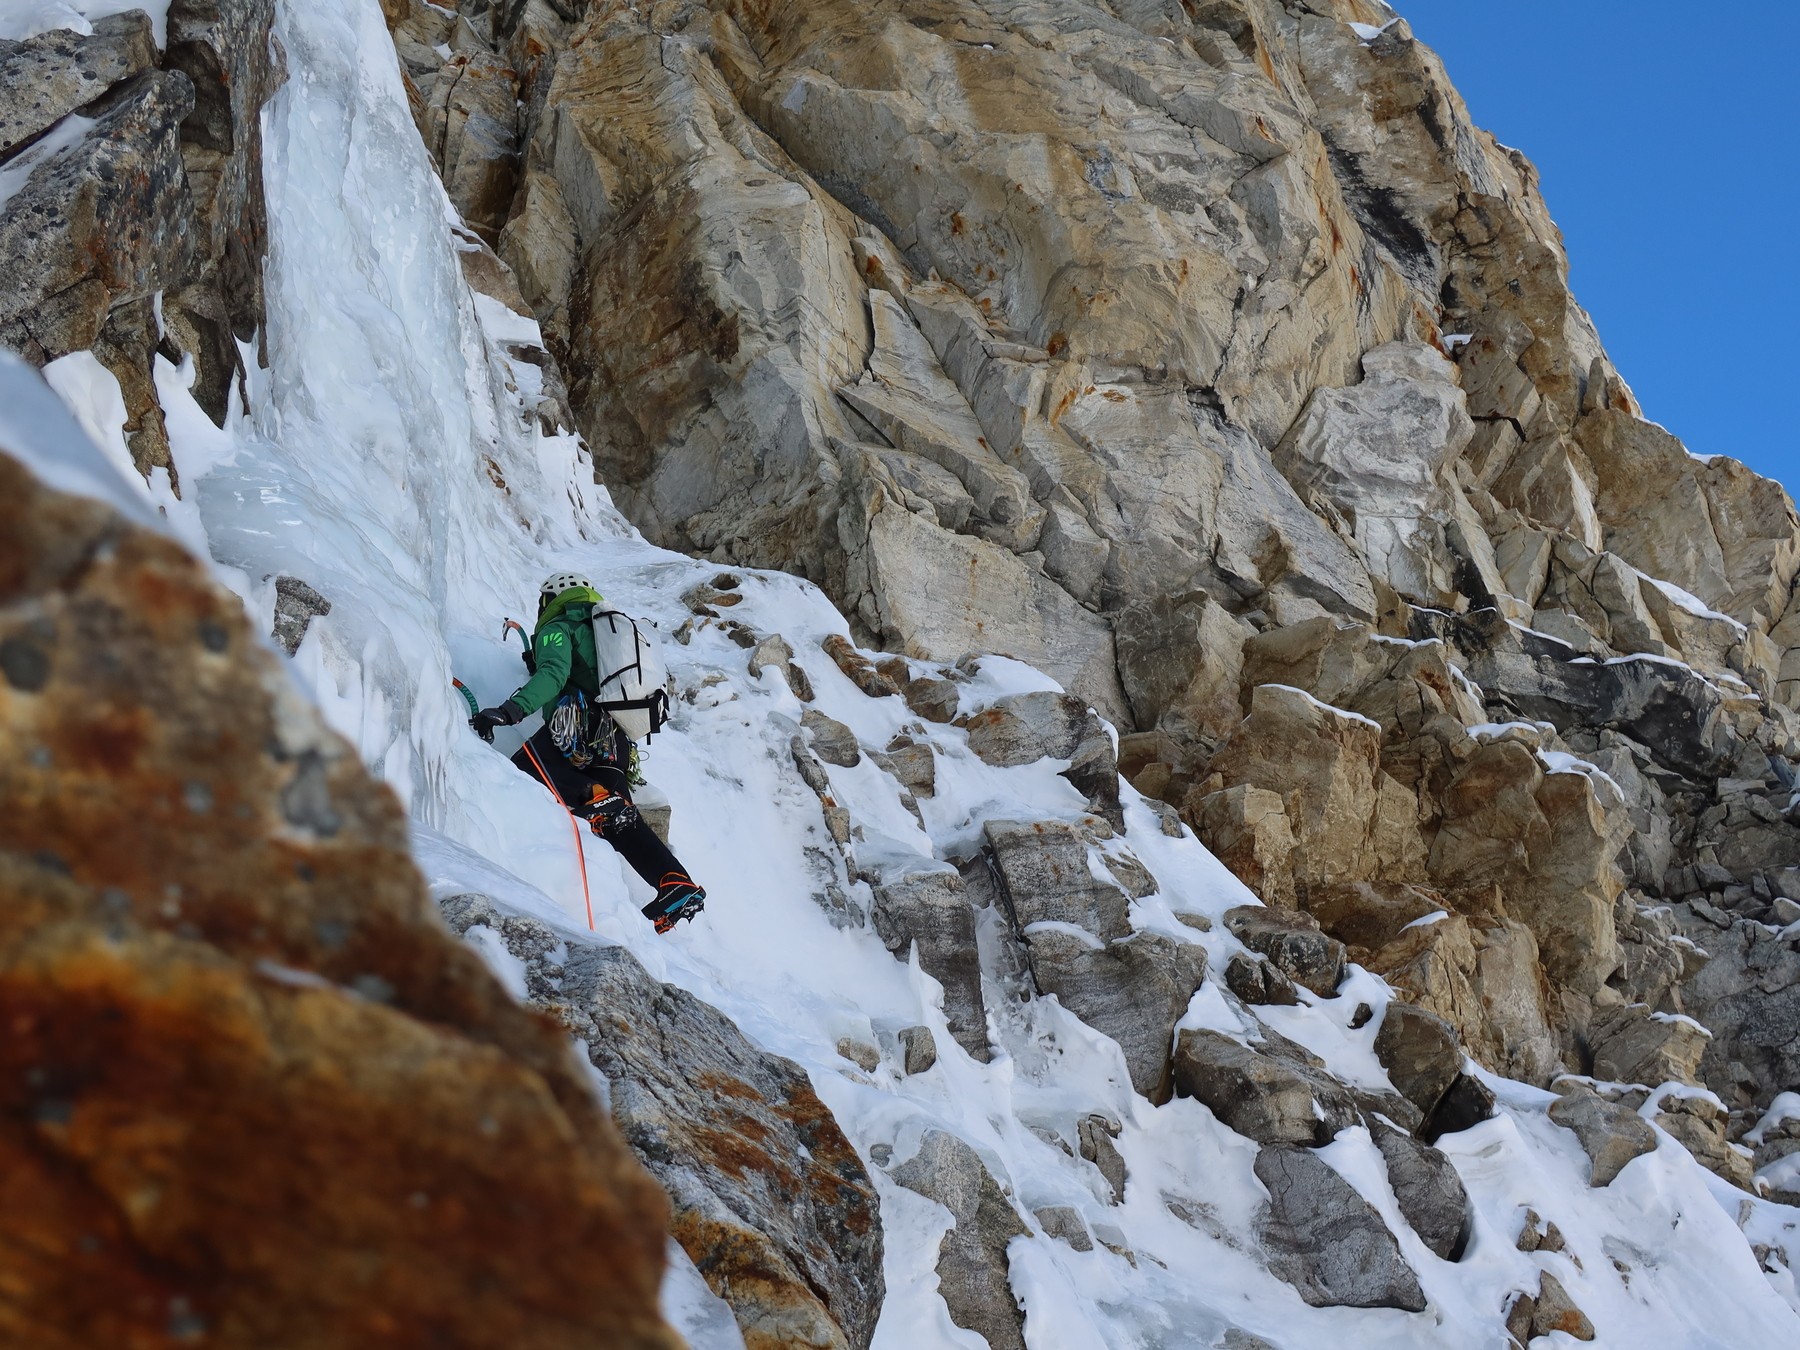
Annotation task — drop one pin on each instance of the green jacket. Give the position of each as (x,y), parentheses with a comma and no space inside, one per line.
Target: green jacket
(563,651)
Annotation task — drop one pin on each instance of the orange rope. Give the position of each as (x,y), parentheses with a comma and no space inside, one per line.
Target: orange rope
(580,852)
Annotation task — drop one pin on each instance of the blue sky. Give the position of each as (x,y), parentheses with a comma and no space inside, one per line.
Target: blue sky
(1666,135)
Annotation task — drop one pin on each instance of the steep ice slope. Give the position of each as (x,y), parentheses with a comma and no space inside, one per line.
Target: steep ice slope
(387,458)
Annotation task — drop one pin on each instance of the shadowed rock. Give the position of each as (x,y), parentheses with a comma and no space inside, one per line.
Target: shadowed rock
(972,1265)
(1275,1093)
(1610,1134)
(1293,943)
(1326,1240)
(1430,1193)
(930,909)
(1420,1052)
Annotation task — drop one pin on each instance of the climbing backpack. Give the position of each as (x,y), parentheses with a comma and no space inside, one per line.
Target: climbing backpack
(634,683)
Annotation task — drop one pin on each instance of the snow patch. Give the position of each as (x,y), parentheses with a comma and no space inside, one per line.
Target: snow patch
(1561,761)
(1692,603)
(1366,33)
(1426,920)
(21,19)
(1680,1020)
(1326,707)
(17,171)
(37,426)
(1786,1106)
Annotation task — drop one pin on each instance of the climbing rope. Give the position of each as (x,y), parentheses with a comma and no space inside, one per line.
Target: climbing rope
(587,898)
(580,852)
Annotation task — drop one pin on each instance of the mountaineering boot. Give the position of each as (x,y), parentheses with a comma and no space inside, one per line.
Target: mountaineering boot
(676,899)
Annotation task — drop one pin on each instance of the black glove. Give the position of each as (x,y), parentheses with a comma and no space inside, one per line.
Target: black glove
(506,715)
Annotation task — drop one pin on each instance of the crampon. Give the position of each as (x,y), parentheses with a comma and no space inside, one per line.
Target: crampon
(677,898)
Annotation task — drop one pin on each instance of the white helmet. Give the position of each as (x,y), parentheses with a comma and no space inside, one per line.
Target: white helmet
(562,581)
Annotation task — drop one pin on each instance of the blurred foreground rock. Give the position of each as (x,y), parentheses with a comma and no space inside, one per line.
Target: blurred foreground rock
(251,1088)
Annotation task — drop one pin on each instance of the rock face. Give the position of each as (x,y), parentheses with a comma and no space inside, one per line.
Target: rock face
(1420,1053)
(139,223)
(1611,1135)
(1079,944)
(1430,1193)
(1546,1312)
(1326,1240)
(1293,944)
(769,1200)
(223,965)
(972,1264)
(1205,356)
(1266,374)
(1275,1094)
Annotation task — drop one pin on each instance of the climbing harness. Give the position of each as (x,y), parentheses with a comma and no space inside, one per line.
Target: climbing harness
(587,898)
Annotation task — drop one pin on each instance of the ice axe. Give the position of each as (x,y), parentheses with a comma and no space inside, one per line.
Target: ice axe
(513,625)
(467,693)
(474,709)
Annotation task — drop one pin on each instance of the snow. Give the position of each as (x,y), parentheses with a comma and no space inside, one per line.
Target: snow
(1426,920)
(1070,930)
(1783,1174)
(27,18)
(38,427)
(995,678)
(1326,707)
(1656,658)
(1690,602)
(1539,633)
(701,1316)
(1561,761)
(1786,1106)
(17,171)
(1367,32)
(1496,731)
(91,393)
(1680,1020)
(366,462)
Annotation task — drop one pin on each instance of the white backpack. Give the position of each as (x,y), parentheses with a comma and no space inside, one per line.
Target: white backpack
(634,683)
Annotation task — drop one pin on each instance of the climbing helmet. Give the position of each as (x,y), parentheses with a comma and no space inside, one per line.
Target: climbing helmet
(556,585)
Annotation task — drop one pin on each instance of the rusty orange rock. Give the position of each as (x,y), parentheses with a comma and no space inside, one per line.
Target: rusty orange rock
(252,1092)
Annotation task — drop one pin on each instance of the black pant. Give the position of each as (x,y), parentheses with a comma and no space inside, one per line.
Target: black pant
(632,837)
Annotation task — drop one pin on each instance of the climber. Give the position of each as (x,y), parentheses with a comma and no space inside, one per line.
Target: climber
(580,753)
